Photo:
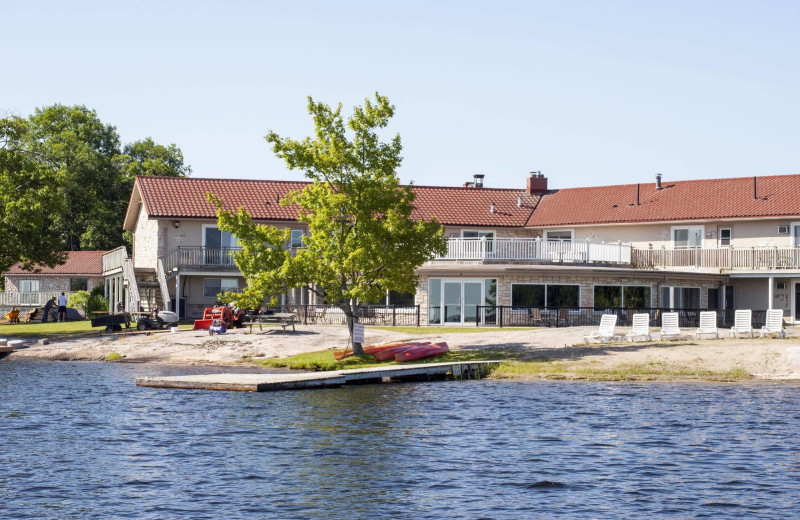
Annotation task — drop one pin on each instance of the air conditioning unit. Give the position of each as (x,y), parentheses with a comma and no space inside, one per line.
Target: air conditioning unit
(781,286)
(783,230)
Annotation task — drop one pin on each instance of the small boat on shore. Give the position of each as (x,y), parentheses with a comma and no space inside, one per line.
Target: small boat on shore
(422,352)
(375,349)
(5,351)
(390,353)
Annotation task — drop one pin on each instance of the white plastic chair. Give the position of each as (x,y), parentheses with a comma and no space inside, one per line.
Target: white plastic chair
(742,323)
(669,325)
(708,324)
(605,332)
(640,327)
(774,324)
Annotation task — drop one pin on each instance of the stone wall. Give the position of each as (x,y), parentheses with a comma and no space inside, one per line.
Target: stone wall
(50,283)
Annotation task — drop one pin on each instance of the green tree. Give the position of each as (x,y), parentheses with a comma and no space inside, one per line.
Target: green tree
(87,179)
(149,158)
(362,240)
(28,203)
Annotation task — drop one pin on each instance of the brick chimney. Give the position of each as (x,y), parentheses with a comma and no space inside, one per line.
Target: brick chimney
(537,184)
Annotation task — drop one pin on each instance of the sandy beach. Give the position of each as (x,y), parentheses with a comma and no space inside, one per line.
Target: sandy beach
(765,359)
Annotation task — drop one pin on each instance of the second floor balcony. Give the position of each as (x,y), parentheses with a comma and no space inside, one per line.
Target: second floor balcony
(718,259)
(196,258)
(536,250)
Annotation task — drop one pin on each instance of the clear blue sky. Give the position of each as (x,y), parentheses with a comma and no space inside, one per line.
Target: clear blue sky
(588,92)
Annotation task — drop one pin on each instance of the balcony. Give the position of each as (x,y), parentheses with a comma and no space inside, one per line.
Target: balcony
(536,251)
(202,258)
(718,259)
(113,260)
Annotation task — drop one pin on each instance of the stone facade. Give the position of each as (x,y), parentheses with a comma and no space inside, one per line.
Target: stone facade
(50,283)
(586,282)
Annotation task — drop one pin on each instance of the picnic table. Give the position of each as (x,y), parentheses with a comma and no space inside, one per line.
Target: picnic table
(284,319)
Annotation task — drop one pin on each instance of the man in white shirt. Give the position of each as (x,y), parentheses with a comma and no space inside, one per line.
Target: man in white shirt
(62,307)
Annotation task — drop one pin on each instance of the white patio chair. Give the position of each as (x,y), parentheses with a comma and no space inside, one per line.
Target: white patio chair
(742,323)
(605,332)
(708,324)
(640,327)
(669,325)
(774,324)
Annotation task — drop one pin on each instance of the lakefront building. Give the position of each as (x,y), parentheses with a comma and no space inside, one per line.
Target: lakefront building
(698,244)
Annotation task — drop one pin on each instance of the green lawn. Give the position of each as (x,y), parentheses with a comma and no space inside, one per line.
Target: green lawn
(54,329)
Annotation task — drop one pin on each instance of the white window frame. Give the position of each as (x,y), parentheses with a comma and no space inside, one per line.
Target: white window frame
(292,238)
(622,292)
(221,288)
(215,226)
(795,243)
(482,233)
(570,231)
(730,236)
(546,285)
(702,230)
(30,282)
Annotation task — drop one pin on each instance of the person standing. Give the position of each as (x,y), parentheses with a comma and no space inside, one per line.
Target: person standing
(62,308)
(47,307)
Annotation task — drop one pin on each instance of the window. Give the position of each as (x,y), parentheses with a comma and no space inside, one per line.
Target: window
(29,286)
(539,295)
(477,234)
(213,286)
(401,299)
(78,284)
(725,237)
(618,296)
(564,235)
(297,238)
(213,238)
(680,297)
(686,237)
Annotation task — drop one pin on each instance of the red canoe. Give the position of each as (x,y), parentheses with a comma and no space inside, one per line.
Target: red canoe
(375,349)
(422,352)
(390,353)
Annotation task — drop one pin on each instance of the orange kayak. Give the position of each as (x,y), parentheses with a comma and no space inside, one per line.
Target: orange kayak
(422,352)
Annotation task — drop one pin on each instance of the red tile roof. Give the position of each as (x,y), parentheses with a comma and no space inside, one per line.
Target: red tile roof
(778,196)
(86,263)
(166,197)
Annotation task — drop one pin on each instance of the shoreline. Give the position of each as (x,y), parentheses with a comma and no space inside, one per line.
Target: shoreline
(556,354)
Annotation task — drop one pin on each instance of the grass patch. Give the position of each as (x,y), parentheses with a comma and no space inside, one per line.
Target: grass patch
(450,330)
(324,360)
(114,356)
(543,368)
(48,330)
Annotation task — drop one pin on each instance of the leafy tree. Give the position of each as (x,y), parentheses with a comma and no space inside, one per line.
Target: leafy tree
(149,158)
(28,203)
(77,181)
(362,240)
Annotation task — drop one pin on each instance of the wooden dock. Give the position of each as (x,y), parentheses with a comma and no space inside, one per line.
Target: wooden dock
(296,381)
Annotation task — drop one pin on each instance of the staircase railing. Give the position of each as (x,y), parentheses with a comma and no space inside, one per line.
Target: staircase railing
(134,299)
(162,282)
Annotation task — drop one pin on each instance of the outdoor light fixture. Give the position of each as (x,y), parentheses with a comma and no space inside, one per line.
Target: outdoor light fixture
(176,224)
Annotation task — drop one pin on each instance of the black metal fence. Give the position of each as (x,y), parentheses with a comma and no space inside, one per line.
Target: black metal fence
(383,315)
(507,316)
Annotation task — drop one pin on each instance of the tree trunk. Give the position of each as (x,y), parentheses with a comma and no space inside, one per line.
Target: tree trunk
(352,319)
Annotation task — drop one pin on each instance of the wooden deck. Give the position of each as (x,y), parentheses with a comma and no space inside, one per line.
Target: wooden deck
(296,381)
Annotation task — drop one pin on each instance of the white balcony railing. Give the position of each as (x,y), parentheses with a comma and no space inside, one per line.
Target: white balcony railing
(536,250)
(114,259)
(28,299)
(728,258)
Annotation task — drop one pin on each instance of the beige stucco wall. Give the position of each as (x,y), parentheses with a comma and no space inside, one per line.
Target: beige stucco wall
(744,233)
(145,241)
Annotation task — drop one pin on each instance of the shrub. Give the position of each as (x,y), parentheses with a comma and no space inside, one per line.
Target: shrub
(78,300)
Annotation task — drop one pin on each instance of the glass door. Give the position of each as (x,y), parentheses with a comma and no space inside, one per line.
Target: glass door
(473,296)
(452,302)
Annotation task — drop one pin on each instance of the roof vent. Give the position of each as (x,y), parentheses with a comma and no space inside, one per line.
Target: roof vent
(519,201)
(478,180)
(492,208)
(658,181)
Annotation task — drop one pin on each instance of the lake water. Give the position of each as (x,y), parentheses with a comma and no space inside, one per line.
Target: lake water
(79,440)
